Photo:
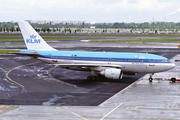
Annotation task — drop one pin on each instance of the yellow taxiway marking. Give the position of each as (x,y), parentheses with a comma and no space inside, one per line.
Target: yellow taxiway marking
(8,95)
(14,69)
(5,106)
(8,106)
(1,106)
(73,113)
(1,68)
(79,116)
(134,108)
(151,107)
(13,80)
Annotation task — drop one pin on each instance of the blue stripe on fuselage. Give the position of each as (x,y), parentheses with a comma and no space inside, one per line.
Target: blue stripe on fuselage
(106,59)
(101,56)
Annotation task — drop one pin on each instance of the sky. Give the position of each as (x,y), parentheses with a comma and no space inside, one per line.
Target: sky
(98,11)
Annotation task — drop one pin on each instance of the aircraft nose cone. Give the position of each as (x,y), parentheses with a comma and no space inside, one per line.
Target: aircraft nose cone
(171,66)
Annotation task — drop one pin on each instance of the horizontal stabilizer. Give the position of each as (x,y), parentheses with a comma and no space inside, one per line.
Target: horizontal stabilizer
(35,55)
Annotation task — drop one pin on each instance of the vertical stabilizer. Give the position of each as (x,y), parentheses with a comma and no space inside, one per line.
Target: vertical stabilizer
(32,39)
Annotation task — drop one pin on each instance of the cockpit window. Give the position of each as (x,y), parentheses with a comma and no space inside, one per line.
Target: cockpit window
(165,61)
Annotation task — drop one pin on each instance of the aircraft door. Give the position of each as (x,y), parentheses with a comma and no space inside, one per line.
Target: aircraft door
(109,60)
(55,58)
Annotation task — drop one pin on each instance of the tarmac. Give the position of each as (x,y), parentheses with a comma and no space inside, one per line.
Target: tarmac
(140,100)
(158,100)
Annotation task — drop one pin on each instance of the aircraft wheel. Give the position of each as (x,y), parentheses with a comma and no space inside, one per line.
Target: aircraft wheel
(89,78)
(173,79)
(101,77)
(94,78)
(150,79)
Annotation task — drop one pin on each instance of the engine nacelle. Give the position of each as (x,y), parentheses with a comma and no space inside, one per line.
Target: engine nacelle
(112,73)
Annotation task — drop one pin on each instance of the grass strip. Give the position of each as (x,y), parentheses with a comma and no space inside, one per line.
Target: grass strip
(13,43)
(137,40)
(102,34)
(6,51)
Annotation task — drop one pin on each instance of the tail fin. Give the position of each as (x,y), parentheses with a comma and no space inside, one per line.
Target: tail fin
(32,39)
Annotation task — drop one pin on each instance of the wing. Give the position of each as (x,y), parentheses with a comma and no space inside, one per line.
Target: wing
(89,65)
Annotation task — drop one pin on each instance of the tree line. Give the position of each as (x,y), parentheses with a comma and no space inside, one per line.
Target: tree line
(161,26)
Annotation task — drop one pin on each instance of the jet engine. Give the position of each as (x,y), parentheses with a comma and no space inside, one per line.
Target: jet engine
(112,73)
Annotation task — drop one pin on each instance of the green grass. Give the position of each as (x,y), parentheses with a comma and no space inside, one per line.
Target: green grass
(10,39)
(138,40)
(92,37)
(12,43)
(6,51)
(61,35)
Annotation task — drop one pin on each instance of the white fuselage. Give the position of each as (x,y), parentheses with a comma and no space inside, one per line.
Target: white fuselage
(131,67)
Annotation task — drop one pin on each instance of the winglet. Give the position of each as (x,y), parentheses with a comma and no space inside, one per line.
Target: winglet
(32,39)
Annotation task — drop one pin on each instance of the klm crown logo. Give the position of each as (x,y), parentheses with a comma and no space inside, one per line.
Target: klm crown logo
(33,36)
(33,39)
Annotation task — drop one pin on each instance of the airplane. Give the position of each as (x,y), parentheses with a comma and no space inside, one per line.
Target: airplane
(110,65)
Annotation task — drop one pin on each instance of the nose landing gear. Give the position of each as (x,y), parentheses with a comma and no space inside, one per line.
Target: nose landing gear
(150,77)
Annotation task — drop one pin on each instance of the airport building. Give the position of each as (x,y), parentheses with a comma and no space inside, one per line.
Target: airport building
(81,22)
(65,22)
(73,22)
(43,22)
(55,22)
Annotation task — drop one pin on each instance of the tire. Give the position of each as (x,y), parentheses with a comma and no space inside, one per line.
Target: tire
(150,79)
(94,78)
(173,79)
(101,77)
(89,78)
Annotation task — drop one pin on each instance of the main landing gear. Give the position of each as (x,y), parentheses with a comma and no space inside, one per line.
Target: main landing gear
(150,77)
(92,77)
